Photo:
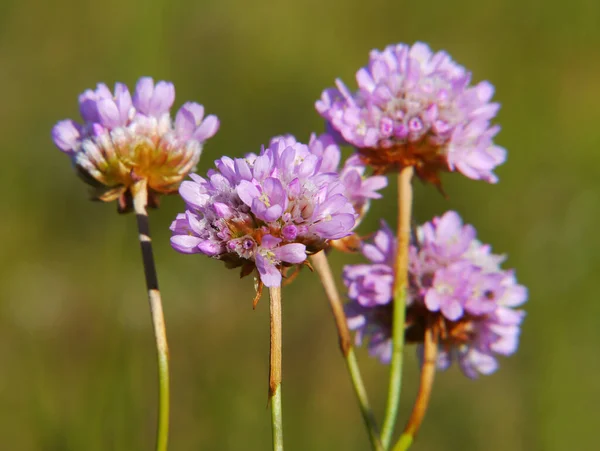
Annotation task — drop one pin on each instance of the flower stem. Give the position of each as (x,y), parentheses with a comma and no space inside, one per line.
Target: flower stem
(400,289)
(275,368)
(321,266)
(430,347)
(140,200)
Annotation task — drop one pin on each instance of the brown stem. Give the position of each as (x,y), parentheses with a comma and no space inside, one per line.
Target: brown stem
(321,265)
(403,230)
(322,268)
(430,349)
(275,369)
(276,340)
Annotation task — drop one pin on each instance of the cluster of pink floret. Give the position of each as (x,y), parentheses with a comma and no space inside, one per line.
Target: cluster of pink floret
(269,211)
(273,209)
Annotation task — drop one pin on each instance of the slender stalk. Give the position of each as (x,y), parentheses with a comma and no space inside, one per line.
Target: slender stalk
(275,368)
(430,347)
(140,200)
(400,288)
(321,266)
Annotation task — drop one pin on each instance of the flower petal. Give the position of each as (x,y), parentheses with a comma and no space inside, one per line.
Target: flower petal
(269,274)
(291,253)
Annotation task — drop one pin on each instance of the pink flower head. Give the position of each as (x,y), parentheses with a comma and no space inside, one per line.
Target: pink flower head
(455,283)
(417,108)
(123,140)
(265,211)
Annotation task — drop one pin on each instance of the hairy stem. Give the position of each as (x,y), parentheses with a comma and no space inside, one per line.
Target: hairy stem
(430,347)
(399,307)
(321,266)
(140,200)
(275,368)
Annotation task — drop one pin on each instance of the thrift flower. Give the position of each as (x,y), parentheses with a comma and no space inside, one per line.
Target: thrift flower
(456,284)
(124,139)
(266,211)
(417,108)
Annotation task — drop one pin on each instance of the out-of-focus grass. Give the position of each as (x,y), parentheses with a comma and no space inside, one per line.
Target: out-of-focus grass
(78,366)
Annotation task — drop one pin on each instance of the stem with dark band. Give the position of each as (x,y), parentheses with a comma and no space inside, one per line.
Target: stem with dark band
(275,368)
(399,306)
(321,266)
(140,200)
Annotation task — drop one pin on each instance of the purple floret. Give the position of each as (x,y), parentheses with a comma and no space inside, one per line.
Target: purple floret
(153,100)
(372,284)
(359,188)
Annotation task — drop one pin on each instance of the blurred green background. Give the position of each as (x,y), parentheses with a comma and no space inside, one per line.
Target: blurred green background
(76,349)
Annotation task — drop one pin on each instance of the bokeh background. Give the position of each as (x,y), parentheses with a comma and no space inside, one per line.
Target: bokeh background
(77,367)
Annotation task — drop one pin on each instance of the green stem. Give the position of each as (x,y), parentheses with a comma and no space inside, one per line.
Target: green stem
(276,419)
(275,368)
(404,442)
(399,307)
(363,401)
(321,265)
(140,200)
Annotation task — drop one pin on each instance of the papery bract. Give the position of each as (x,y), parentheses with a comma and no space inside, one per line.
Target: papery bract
(123,140)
